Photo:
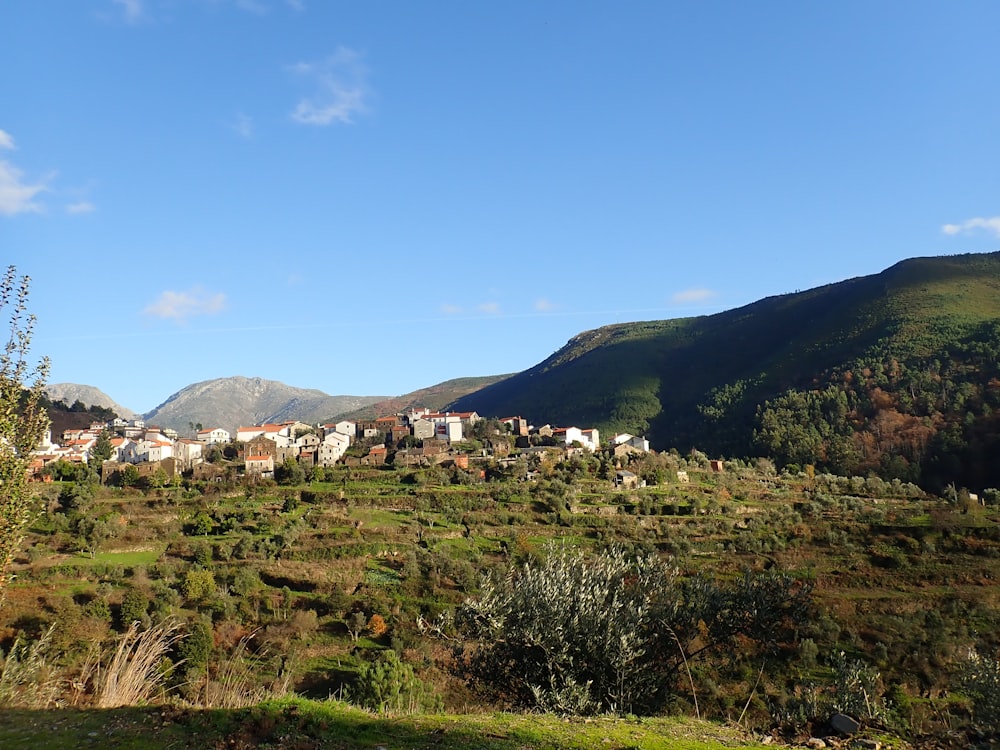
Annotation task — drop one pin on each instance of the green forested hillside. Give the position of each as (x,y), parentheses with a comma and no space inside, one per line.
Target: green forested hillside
(894,373)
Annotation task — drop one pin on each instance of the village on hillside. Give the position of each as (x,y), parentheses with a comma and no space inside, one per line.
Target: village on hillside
(131,452)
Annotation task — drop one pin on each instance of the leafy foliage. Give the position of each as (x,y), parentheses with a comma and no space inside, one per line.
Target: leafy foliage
(980,681)
(22,420)
(610,633)
(388,685)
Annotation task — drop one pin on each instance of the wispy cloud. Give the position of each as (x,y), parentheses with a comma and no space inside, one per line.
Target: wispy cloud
(256,7)
(296,5)
(544,305)
(339,89)
(449,309)
(243,125)
(489,307)
(132,10)
(990,225)
(689,296)
(180,306)
(16,195)
(81,207)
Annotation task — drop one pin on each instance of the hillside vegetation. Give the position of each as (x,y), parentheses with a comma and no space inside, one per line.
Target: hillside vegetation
(895,373)
(353,586)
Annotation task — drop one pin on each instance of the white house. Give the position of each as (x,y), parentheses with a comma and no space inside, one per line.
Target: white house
(450,431)
(589,439)
(189,452)
(155,450)
(332,449)
(632,441)
(281,434)
(344,427)
(213,436)
(124,450)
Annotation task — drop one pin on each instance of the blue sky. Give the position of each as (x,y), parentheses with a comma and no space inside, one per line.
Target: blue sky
(372,197)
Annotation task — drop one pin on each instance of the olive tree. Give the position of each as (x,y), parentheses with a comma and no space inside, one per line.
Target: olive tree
(613,632)
(23,420)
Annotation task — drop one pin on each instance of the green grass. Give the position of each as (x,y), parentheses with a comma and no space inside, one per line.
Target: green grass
(322,724)
(129,559)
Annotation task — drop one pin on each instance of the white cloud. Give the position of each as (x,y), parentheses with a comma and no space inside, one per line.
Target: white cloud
(340,89)
(449,309)
(296,5)
(16,195)
(544,305)
(692,295)
(991,225)
(132,10)
(81,207)
(180,306)
(489,307)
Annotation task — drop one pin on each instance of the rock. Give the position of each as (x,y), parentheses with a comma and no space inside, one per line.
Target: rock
(866,744)
(844,724)
(815,743)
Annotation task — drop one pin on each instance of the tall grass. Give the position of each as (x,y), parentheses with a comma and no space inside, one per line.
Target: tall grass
(27,678)
(236,685)
(133,674)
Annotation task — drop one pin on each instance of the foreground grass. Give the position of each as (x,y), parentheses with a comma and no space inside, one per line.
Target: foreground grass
(310,724)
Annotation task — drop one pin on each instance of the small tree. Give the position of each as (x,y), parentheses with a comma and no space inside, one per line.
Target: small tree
(23,421)
(101,451)
(388,685)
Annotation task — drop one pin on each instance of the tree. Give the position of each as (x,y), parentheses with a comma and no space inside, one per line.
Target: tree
(129,476)
(23,421)
(101,451)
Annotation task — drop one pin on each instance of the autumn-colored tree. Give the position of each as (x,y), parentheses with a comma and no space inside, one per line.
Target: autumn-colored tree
(377,625)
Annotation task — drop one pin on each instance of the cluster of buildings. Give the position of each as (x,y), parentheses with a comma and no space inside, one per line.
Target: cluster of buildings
(416,437)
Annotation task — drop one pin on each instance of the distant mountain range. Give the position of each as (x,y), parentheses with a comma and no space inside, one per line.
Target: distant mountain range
(238,401)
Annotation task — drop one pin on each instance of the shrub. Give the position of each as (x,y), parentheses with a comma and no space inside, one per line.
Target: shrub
(856,689)
(134,607)
(980,681)
(611,633)
(388,685)
(199,584)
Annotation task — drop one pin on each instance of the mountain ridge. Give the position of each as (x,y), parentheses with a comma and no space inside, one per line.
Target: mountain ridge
(877,343)
(239,400)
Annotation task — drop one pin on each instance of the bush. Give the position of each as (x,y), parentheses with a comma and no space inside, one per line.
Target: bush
(612,633)
(388,685)
(134,607)
(980,681)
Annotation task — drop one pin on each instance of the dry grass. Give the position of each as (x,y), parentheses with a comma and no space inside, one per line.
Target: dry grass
(235,684)
(133,675)
(27,678)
